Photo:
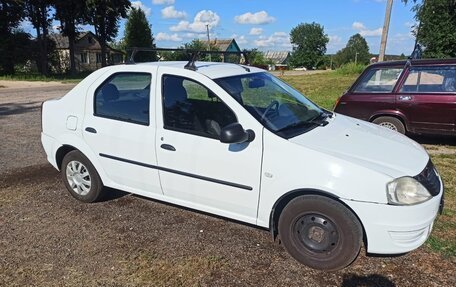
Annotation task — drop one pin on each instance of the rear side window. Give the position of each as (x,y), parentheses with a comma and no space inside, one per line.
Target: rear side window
(430,80)
(379,81)
(190,107)
(125,97)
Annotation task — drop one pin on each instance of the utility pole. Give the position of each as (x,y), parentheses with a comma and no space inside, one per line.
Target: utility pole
(381,56)
(208,42)
(356,58)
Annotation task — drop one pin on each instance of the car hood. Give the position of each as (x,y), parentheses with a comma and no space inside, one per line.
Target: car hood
(366,144)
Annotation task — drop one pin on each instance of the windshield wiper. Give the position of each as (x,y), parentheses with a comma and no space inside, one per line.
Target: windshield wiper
(319,120)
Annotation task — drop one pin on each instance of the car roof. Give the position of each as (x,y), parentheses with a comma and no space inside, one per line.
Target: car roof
(212,70)
(416,62)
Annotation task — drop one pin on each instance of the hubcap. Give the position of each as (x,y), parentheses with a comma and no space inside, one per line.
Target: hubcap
(78,177)
(317,233)
(388,126)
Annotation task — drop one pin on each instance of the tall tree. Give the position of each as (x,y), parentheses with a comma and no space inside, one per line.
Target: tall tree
(37,12)
(138,33)
(104,15)
(71,13)
(309,44)
(355,50)
(11,13)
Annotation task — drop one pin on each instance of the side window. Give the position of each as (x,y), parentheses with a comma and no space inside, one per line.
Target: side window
(430,80)
(190,107)
(125,97)
(379,81)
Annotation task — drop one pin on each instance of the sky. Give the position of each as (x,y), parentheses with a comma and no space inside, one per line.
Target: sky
(266,24)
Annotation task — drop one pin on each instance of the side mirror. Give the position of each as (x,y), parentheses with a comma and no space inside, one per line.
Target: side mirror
(235,133)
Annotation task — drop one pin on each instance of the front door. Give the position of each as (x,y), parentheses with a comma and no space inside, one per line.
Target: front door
(120,130)
(196,169)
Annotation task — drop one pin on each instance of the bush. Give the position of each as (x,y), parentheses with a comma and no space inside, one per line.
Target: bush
(351,69)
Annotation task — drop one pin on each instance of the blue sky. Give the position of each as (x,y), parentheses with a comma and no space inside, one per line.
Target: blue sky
(266,24)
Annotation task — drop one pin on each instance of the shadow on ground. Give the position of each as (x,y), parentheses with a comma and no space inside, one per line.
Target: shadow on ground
(437,140)
(375,280)
(8,109)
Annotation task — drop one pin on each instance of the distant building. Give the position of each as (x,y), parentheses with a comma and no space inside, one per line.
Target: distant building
(279,59)
(87,52)
(226,45)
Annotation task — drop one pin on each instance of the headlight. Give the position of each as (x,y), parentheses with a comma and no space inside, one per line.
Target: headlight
(406,191)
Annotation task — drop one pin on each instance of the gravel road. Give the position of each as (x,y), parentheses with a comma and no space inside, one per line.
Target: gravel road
(50,239)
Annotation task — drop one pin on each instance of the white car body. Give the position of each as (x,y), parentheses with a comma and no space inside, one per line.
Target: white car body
(349,160)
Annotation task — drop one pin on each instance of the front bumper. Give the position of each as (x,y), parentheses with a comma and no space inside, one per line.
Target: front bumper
(394,229)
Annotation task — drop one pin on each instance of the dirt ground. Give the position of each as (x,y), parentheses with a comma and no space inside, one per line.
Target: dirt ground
(50,239)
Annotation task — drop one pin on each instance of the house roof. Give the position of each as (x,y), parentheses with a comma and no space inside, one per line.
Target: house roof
(62,42)
(223,44)
(277,57)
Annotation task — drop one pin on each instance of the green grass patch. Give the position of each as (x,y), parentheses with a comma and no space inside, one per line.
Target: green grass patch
(443,237)
(323,89)
(52,78)
(351,69)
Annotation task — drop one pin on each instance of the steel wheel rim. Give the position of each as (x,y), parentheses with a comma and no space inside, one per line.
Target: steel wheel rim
(316,233)
(388,126)
(78,177)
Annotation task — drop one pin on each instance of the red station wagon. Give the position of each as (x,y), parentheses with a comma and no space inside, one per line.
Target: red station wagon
(416,97)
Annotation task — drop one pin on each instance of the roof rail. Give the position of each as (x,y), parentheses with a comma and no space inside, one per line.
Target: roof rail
(193,55)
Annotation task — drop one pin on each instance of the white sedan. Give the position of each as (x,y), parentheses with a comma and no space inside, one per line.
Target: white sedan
(238,142)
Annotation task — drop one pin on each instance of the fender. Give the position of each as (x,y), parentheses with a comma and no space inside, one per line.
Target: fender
(394,113)
(78,143)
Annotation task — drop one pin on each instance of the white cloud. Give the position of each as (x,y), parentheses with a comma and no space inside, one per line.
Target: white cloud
(256,31)
(240,39)
(163,2)
(278,40)
(363,31)
(257,18)
(139,4)
(171,13)
(202,18)
(168,37)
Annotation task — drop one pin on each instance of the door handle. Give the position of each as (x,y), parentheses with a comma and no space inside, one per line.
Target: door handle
(91,130)
(405,98)
(168,147)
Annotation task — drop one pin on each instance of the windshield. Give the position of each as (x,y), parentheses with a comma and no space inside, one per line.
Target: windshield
(279,107)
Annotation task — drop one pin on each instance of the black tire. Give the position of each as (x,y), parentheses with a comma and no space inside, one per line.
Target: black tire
(391,123)
(336,236)
(86,173)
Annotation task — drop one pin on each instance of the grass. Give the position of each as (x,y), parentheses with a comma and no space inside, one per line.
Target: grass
(38,77)
(324,88)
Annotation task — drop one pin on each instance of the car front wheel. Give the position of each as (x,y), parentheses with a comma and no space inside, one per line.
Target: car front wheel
(320,232)
(80,177)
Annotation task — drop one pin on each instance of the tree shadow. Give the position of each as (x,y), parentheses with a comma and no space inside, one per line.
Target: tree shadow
(374,280)
(8,109)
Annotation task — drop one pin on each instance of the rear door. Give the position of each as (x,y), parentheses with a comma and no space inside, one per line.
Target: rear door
(120,128)
(427,97)
(371,94)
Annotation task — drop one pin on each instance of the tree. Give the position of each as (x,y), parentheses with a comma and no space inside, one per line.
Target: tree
(436,29)
(71,13)
(104,15)
(309,45)
(194,45)
(355,50)
(138,33)
(37,12)
(11,13)
(257,58)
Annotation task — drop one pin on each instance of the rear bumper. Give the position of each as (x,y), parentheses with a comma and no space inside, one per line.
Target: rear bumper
(396,229)
(50,146)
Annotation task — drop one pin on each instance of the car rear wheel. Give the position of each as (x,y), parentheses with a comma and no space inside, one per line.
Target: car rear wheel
(390,123)
(80,177)
(320,232)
